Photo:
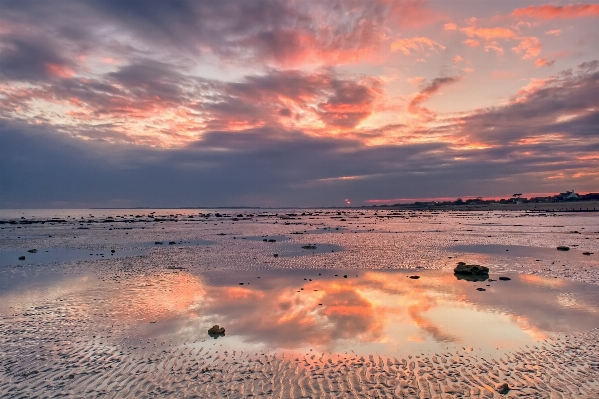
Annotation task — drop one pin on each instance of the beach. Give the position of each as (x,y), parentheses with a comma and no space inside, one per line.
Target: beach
(315,303)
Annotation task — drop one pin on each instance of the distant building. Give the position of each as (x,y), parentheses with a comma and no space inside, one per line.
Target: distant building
(569,196)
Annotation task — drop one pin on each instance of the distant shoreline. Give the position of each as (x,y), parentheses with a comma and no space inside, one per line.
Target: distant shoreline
(570,206)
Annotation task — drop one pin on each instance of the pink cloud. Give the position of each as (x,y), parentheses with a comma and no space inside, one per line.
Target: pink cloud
(415,44)
(541,62)
(552,12)
(554,32)
(529,46)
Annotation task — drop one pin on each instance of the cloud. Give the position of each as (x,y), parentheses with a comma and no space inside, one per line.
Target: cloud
(548,129)
(278,32)
(530,47)
(29,58)
(541,62)
(548,11)
(554,32)
(416,44)
(415,105)
(489,33)
(163,105)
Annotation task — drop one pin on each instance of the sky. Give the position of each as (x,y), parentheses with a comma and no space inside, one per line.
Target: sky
(295,103)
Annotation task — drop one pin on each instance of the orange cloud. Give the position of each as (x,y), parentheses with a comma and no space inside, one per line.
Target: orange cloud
(543,62)
(530,46)
(472,43)
(552,12)
(416,44)
(489,33)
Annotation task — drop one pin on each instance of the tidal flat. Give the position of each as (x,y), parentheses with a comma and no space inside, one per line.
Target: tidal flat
(315,303)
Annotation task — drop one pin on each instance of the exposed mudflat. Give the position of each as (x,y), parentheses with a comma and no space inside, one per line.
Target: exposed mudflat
(315,304)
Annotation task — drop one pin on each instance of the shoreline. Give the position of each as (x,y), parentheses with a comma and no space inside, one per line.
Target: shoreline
(578,206)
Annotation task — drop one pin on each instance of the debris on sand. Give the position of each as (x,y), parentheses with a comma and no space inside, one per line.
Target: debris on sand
(476,270)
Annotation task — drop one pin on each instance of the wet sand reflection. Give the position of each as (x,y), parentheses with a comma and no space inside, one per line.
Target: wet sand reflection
(376,311)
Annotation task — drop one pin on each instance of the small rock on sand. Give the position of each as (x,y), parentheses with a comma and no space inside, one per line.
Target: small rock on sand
(414,277)
(216,330)
(563,248)
(503,389)
(504,278)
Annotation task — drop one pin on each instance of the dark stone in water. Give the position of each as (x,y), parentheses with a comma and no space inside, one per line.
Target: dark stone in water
(33,251)
(276,255)
(463,268)
(216,331)
(563,248)
(309,247)
(158,242)
(112,251)
(171,243)
(21,258)
(504,279)
(271,240)
(414,277)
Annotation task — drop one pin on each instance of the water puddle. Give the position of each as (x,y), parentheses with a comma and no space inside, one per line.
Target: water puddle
(61,255)
(366,312)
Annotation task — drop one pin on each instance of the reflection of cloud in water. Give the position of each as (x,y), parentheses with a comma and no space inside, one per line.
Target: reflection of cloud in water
(378,309)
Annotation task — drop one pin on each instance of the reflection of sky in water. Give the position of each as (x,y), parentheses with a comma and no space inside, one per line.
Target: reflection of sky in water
(376,312)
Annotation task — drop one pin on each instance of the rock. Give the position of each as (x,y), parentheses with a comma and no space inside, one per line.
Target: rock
(480,289)
(587,253)
(171,243)
(272,240)
(503,389)
(33,251)
(158,242)
(414,277)
(21,258)
(504,279)
(345,276)
(475,270)
(563,248)
(276,255)
(112,251)
(309,247)
(216,330)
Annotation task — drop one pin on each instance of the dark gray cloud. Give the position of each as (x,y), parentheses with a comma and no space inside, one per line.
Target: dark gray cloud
(276,31)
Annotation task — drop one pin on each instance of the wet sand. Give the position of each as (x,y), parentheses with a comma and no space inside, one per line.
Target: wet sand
(134,325)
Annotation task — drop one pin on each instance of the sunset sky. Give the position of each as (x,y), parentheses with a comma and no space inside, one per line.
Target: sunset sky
(295,103)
